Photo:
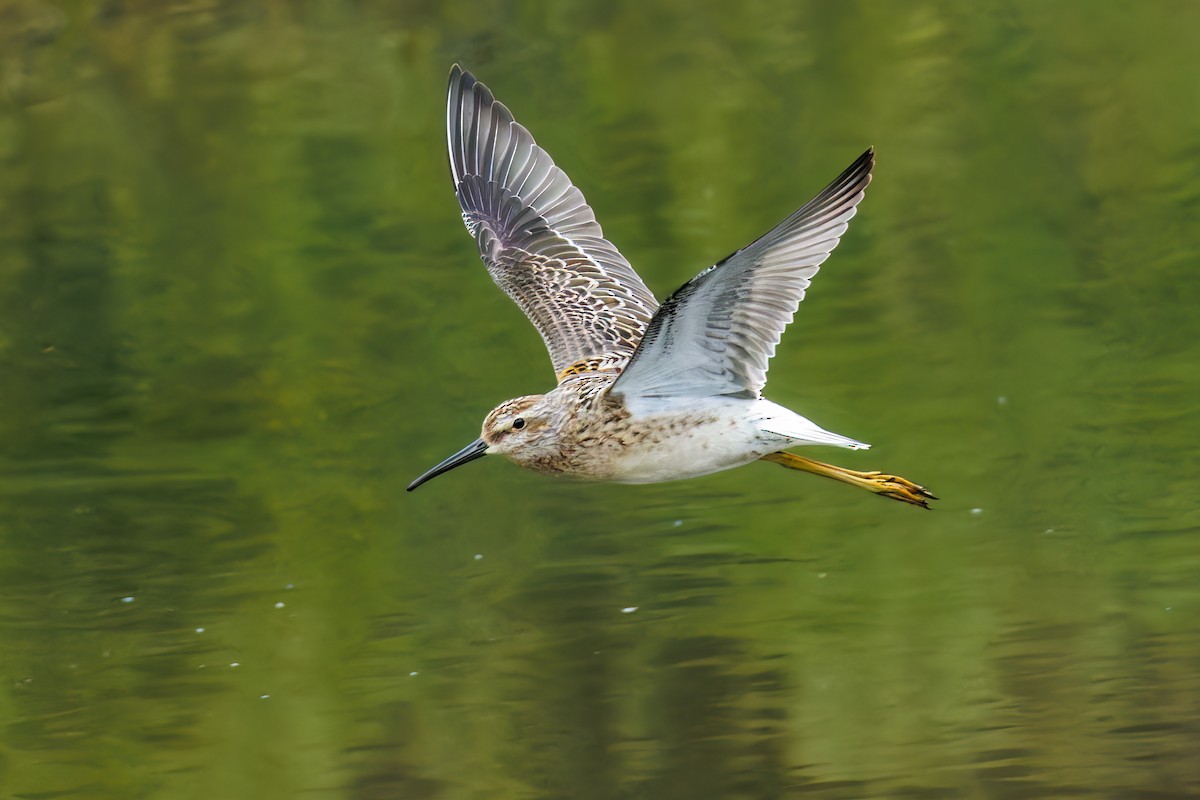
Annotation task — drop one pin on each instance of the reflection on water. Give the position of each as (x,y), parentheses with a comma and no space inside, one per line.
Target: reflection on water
(238,314)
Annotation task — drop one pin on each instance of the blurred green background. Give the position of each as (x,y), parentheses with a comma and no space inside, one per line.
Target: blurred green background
(238,313)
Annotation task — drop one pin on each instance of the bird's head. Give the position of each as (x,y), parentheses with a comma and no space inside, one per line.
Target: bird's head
(519,428)
(516,425)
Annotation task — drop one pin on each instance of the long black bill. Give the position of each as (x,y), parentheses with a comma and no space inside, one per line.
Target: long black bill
(476,449)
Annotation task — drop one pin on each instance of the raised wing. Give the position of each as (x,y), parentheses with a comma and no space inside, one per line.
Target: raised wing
(538,236)
(715,335)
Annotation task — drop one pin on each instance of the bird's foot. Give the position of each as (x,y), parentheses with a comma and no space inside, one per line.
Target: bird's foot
(880,483)
(897,488)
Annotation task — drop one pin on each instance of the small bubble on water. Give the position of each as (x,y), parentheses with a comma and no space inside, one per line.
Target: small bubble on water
(629,609)
(263,696)
(290,586)
(128,599)
(678,523)
(1001,400)
(279,605)
(235,664)
(479,556)
(199,630)
(977,511)
(413,674)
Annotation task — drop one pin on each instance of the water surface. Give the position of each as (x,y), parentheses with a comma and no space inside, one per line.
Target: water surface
(238,313)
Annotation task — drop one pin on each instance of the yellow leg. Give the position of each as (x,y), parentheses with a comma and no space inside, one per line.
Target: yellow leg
(891,486)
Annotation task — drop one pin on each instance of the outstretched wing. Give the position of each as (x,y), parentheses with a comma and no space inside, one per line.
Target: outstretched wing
(715,335)
(538,236)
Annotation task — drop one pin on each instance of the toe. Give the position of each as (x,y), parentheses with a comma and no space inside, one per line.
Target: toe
(904,490)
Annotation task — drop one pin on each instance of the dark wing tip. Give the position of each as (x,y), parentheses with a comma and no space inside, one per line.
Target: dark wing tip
(864,164)
(464,81)
(460,83)
(854,178)
(466,101)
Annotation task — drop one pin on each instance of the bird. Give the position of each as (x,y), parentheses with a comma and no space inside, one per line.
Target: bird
(646,392)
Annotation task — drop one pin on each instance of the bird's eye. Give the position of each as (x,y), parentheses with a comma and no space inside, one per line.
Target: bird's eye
(518,423)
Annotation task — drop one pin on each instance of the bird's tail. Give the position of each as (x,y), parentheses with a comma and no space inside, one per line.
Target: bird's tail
(782,421)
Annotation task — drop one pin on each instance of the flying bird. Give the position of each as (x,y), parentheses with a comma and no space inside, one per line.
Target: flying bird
(646,392)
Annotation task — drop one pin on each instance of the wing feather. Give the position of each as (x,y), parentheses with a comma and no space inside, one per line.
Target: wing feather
(717,333)
(538,236)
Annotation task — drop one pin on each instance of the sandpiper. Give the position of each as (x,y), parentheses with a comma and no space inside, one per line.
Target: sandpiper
(646,392)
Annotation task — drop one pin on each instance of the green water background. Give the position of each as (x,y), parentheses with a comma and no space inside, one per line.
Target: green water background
(238,313)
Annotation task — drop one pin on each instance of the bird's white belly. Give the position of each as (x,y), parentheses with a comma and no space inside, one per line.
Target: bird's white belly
(697,436)
(679,452)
